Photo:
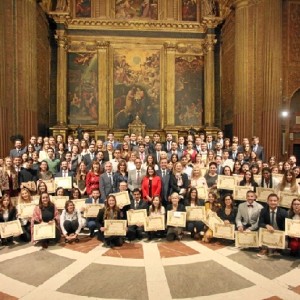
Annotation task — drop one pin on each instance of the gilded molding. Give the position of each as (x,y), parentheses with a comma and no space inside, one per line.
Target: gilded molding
(211,21)
(102,44)
(209,43)
(190,48)
(62,41)
(60,17)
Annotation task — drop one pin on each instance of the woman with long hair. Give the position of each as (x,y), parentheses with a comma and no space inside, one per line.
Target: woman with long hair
(110,212)
(197,180)
(179,181)
(84,147)
(125,152)
(156,209)
(120,175)
(150,162)
(249,181)
(92,178)
(288,183)
(151,184)
(237,168)
(41,188)
(198,161)
(210,157)
(212,176)
(25,198)
(44,173)
(227,212)
(174,158)
(294,214)
(80,178)
(9,178)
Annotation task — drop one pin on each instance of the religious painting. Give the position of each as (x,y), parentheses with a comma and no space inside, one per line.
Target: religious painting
(136,9)
(83,8)
(189,10)
(189,94)
(136,87)
(82,88)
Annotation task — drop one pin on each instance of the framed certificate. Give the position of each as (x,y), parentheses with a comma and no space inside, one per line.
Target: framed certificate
(275,239)
(122,198)
(64,182)
(136,216)
(286,198)
(30,185)
(224,231)
(238,178)
(202,192)
(92,210)
(195,213)
(240,192)
(263,193)
(115,227)
(43,231)
(59,201)
(213,219)
(246,239)
(155,223)
(79,203)
(292,228)
(226,182)
(176,218)
(50,186)
(12,228)
(25,210)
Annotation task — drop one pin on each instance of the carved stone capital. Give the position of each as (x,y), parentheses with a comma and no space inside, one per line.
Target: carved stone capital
(211,21)
(102,44)
(62,41)
(209,42)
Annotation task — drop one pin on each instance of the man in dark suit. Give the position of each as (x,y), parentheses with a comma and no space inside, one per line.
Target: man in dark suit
(91,222)
(164,175)
(89,157)
(272,217)
(167,146)
(18,151)
(234,151)
(106,181)
(65,172)
(210,143)
(175,150)
(156,153)
(181,144)
(136,231)
(258,149)
(155,139)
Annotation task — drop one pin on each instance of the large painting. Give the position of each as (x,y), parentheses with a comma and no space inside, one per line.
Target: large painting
(136,9)
(83,8)
(189,10)
(189,80)
(136,87)
(82,88)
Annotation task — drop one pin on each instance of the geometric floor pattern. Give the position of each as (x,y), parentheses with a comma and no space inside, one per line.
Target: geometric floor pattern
(141,270)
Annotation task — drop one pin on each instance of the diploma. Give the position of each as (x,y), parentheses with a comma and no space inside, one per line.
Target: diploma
(79,203)
(59,201)
(195,213)
(50,186)
(240,192)
(213,219)
(226,182)
(155,223)
(202,192)
(286,199)
(137,216)
(25,210)
(246,239)
(92,210)
(203,171)
(115,227)
(35,199)
(43,231)
(12,228)
(257,178)
(263,193)
(64,182)
(224,231)
(277,176)
(176,218)
(30,185)
(14,200)
(274,239)
(292,228)
(122,198)
(238,178)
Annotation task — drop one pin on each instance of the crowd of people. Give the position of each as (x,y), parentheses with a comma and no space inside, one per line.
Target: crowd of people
(159,176)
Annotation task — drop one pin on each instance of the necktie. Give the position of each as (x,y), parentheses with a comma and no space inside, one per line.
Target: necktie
(92,156)
(272,217)
(158,156)
(136,204)
(138,178)
(163,173)
(111,178)
(169,147)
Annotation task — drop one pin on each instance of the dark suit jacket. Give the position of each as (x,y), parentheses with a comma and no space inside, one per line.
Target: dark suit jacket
(12,215)
(142,204)
(165,186)
(173,183)
(14,153)
(88,161)
(100,218)
(265,218)
(106,187)
(260,152)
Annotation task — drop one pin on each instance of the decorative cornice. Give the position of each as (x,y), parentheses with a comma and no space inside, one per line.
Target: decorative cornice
(211,21)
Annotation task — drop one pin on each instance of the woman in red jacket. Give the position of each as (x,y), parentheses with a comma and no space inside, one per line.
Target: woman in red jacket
(151,184)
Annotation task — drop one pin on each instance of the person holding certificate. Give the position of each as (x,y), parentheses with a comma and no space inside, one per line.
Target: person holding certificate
(92,178)
(174,233)
(197,180)
(91,222)
(248,180)
(7,213)
(294,214)
(211,176)
(121,175)
(110,212)
(151,184)
(194,227)
(46,212)
(228,212)
(267,180)
(179,181)
(9,178)
(272,217)
(288,183)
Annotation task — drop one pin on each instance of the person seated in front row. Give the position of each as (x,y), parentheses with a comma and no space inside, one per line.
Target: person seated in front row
(294,214)
(227,212)
(70,222)
(136,231)
(46,212)
(7,213)
(174,233)
(110,212)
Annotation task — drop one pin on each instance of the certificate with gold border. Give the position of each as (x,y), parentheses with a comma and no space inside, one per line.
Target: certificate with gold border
(12,228)
(59,201)
(195,213)
(224,231)
(115,227)
(238,178)
(136,216)
(176,218)
(154,223)
(64,182)
(246,239)
(202,192)
(50,185)
(212,219)
(122,198)
(274,239)
(226,182)
(263,193)
(92,210)
(286,198)
(240,192)
(257,178)
(43,231)
(25,210)
(292,228)
(79,203)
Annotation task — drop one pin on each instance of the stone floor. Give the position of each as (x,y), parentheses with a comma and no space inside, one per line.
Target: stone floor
(142,270)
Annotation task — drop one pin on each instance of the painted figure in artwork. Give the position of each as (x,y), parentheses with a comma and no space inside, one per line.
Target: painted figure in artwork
(83,8)
(189,10)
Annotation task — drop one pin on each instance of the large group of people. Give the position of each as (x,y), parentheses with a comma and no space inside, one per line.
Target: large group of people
(159,176)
